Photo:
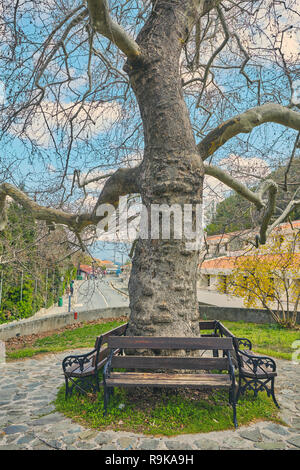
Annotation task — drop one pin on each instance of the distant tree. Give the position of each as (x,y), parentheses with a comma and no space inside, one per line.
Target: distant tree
(270,278)
(32,261)
(235,212)
(231,215)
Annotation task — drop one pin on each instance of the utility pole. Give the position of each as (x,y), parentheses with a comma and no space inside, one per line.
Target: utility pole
(21,293)
(1,285)
(46,288)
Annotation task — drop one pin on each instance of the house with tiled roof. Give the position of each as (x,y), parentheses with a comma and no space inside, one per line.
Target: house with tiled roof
(219,256)
(84,271)
(235,243)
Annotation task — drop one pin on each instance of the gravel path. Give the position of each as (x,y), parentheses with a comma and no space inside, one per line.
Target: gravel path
(27,420)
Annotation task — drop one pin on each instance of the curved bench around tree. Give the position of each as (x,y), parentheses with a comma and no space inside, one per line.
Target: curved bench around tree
(83,367)
(204,369)
(255,372)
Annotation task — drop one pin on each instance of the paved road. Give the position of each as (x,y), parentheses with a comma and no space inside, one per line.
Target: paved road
(98,293)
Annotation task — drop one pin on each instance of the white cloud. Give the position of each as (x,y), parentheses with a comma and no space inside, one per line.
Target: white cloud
(2,93)
(87,119)
(247,170)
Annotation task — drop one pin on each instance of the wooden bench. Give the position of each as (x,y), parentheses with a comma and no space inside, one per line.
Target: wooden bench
(255,372)
(86,366)
(157,377)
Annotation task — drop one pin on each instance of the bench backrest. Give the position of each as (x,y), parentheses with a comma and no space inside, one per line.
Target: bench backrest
(169,343)
(103,353)
(224,332)
(207,324)
(118,331)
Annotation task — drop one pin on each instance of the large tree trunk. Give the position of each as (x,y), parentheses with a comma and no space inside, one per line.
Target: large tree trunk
(162,285)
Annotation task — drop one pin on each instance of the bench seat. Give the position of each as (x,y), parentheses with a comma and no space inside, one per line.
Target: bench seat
(261,372)
(150,370)
(87,369)
(138,379)
(255,372)
(83,366)
(246,371)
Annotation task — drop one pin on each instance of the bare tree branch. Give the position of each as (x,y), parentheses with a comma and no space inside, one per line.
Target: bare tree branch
(290,161)
(245,123)
(234,184)
(257,198)
(122,182)
(103,24)
(288,209)
(216,52)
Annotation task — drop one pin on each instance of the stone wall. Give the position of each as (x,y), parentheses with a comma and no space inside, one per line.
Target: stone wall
(248,315)
(56,321)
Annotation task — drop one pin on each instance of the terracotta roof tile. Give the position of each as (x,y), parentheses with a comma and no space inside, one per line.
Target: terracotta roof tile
(228,235)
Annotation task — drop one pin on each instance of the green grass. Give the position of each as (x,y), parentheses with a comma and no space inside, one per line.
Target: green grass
(267,339)
(164,413)
(83,337)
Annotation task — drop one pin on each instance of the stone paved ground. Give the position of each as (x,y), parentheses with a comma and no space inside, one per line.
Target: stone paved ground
(27,420)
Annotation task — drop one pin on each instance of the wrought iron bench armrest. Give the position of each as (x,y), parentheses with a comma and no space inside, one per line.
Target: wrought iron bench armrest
(244,342)
(80,359)
(258,363)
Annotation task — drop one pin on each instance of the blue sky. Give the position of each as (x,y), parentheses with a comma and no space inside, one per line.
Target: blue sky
(104,149)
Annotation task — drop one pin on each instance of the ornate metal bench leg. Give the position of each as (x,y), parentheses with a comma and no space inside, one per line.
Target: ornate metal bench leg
(273,393)
(67,387)
(232,401)
(234,415)
(107,394)
(106,399)
(97,381)
(238,393)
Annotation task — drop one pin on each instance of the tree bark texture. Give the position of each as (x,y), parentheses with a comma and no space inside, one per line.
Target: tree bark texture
(162,286)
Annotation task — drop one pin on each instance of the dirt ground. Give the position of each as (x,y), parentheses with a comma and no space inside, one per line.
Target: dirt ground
(20,342)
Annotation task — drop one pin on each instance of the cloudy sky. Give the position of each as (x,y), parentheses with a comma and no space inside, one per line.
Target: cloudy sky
(103,122)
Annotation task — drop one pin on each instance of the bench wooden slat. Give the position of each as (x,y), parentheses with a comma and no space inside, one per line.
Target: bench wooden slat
(156,362)
(119,330)
(71,370)
(88,370)
(207,325)
(132,379)
(163,342)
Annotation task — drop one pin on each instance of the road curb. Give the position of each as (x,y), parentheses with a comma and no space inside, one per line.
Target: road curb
(118,290)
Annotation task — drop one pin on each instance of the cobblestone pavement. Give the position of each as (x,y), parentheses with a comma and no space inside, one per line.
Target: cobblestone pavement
(28,420)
